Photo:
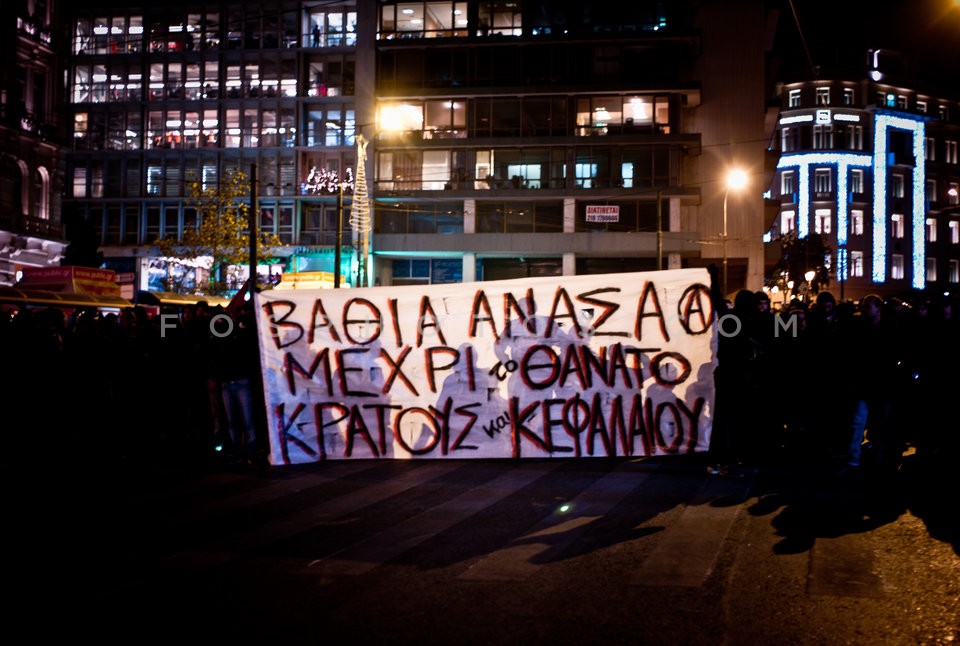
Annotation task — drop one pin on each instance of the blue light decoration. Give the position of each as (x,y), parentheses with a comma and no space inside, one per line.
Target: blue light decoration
(882,123)
(843,162)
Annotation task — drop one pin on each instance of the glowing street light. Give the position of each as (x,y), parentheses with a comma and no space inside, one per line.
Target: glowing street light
(736,180)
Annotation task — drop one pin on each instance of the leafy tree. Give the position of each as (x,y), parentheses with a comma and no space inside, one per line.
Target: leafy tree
(221,236)
(800,255)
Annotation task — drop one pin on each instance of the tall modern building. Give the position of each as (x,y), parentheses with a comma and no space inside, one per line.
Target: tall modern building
(31,138)
(872,165)
(544,138)
(500,139)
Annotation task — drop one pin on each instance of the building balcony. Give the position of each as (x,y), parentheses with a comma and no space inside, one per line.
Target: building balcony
(591,243)
(26,225)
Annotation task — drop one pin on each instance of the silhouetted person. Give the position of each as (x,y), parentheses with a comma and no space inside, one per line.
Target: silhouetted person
(235,366)
(872,355)
(739,368)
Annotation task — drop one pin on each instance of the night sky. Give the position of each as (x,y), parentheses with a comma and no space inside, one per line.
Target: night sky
(839,33)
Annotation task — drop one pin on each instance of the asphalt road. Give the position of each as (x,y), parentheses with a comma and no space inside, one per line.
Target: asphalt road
(589,551)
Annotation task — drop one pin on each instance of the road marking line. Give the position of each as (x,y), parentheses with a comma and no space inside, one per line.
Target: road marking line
(380,548)
(687,550)
(279,529)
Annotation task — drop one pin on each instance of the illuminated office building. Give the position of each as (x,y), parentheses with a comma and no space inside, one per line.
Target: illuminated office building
(507,139)
(872,166)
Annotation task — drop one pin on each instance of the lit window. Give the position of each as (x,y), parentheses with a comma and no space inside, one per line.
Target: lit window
(856,180)
(786,140)
(901,102)
(499,18)
(821,223)
(922,107)
(930,149)
(896,266)
(794,101)
(931,230)
(822,180)
(822,137)
(954,226)
(896,185)
(931,266)
(930,193)
(955,271)
(586,173)
(944,113)
(400,117)
(788,221)
(823,96)
(896,225)
(847,96)
(787,183)
(953,193)
(856,222)
(80,183)
(856,264)
(950,151)
(855,137)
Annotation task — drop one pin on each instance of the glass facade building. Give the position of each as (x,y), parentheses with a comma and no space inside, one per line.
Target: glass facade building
(499,132)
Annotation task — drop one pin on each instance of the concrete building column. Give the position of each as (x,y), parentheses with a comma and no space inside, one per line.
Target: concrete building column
(469,267)
(569,264)
(469,216)
(569,215)
(673,218)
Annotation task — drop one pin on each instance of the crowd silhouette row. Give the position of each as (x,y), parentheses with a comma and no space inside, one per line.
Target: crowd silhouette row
(846,385)
(180,384)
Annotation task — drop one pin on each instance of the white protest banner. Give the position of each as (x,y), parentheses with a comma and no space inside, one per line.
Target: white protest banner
(566,366)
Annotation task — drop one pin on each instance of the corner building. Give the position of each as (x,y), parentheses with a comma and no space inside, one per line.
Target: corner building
(872,166)
(506,139)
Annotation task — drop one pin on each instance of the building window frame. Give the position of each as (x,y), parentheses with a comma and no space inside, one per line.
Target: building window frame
(787,182)
(896,266)
(896,226)
(950,151)
(856,181)
(896,185)
(856,264)
(856,222)
(823,180)
(931,269)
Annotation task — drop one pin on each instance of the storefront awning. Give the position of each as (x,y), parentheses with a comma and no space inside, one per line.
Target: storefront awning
(44,297)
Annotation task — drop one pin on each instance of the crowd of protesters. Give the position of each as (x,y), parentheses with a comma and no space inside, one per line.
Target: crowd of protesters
(846,384)
(87,384)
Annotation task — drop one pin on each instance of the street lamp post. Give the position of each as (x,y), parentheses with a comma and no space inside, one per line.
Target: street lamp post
(809,275)
(338,244)
(736,179)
